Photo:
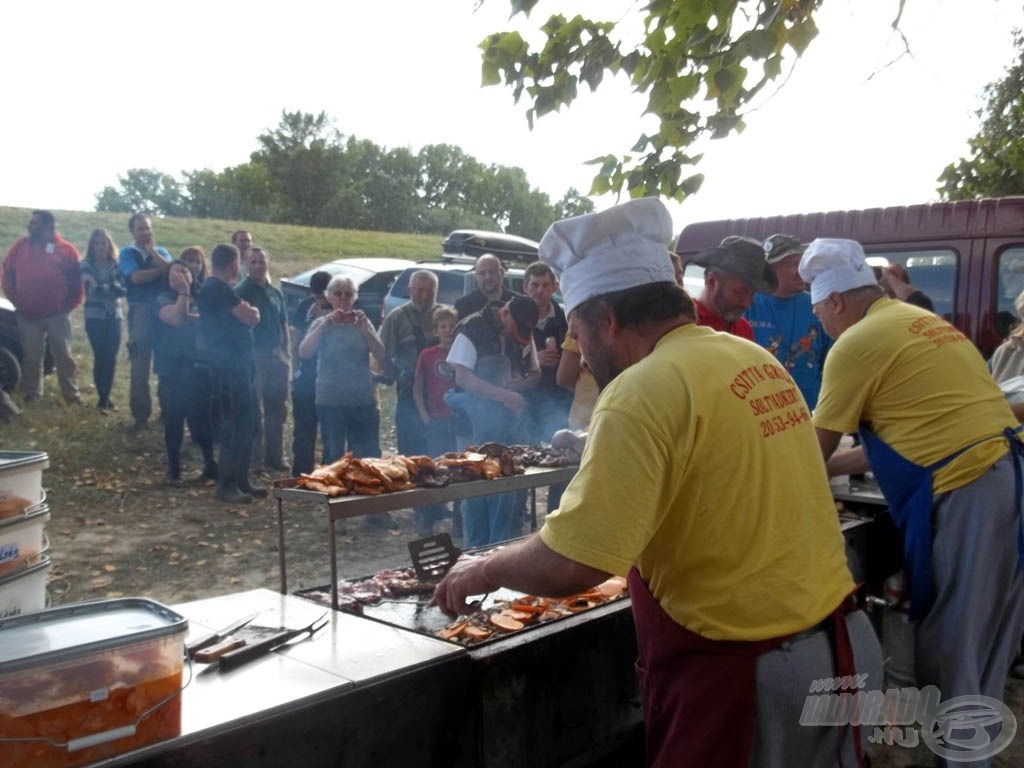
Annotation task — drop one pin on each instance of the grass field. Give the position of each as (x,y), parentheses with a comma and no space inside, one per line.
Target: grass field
(116,527)
(292,249)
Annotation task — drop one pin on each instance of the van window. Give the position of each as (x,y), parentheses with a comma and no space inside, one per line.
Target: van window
(1011,285)
(932,271)
(693,280)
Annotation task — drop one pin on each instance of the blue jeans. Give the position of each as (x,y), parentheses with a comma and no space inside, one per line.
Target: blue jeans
(488,520)
(349,427)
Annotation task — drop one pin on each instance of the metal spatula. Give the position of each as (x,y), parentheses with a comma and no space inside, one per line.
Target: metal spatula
(433,556)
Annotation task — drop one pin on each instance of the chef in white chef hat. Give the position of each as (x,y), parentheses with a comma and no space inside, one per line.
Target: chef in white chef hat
(833,266)
(619,248)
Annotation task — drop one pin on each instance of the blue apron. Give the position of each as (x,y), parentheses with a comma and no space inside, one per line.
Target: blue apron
(907,488)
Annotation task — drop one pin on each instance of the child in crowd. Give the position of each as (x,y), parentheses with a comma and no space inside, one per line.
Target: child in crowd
(434,376)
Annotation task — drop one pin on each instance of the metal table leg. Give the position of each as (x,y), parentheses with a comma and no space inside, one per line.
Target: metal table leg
(280,546)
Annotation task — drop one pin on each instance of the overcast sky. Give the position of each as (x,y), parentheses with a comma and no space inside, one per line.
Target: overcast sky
(95,88)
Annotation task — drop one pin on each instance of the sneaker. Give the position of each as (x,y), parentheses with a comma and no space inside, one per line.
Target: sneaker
(210,471)
(173,480)
(76,400)
(233,496)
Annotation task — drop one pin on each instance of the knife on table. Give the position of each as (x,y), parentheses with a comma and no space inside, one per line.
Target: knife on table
(215,637)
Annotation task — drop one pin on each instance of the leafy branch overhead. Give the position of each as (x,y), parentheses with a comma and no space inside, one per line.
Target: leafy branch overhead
(700,63)
(995,167)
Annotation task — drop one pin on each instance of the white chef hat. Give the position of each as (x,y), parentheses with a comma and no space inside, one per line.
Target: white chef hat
(835,265)
(619,248)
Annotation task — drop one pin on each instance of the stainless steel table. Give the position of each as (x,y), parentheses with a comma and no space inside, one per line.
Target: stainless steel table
(344,507)
(337,698)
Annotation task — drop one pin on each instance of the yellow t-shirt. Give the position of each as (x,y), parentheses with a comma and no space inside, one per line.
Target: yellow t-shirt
(585,393)
(702,468)
(921,386)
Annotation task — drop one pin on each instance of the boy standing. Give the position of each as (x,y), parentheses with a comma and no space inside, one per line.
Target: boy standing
(434,377)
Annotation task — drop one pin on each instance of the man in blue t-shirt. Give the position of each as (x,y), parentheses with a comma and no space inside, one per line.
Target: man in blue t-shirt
(784,323)
(143,264)
(225,325)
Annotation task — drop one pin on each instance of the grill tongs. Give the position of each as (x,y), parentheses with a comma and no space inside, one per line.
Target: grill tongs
(236,658)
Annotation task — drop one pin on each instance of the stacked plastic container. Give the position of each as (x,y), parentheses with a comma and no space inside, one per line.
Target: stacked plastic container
(23,541)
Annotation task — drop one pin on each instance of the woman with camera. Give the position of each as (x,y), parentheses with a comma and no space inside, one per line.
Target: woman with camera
(346,398)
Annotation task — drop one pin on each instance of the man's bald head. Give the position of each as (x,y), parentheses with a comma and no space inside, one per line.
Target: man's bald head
(489,273)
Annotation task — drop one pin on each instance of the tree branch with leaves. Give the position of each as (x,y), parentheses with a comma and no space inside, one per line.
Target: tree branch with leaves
(995,167)
(700,64)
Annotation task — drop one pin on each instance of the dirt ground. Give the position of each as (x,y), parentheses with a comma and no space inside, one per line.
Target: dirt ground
(180,544)
(117,529)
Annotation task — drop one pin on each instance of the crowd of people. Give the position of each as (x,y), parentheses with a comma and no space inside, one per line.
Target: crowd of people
(704,477)
(227,357)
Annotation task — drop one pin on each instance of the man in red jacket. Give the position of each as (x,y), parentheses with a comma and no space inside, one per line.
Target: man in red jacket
(42,278)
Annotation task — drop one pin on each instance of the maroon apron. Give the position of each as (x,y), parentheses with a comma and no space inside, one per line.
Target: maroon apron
(700,695)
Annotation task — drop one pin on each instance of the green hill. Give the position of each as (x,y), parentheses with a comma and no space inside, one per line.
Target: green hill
(292,249)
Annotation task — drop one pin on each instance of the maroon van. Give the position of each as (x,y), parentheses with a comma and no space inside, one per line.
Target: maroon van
(968,257)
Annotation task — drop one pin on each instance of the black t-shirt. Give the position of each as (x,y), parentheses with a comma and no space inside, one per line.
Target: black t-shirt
(173,347)
(473,302)
(497,355)
(227,340)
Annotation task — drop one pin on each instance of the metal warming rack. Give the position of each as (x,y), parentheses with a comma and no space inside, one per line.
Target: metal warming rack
(344,507)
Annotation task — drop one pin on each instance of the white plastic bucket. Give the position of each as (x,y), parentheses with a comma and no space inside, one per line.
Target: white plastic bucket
(22,539)
(24,590)
(21,474)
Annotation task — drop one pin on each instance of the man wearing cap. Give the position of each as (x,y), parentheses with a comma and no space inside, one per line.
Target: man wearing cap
(495,362)
(735,563)
(784,322)
(938,436)
(733,272)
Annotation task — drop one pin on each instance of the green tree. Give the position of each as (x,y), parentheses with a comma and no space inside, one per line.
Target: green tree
(700,62)
(144,190)
(240,192)
(995,166)
(573,204)
(304,158)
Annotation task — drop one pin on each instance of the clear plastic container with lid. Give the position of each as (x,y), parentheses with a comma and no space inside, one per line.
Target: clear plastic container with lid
(83,682)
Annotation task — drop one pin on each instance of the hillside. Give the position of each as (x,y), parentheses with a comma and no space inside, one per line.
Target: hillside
(292,249)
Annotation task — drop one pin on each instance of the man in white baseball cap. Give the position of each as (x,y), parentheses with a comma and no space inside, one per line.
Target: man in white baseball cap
(686,486)
(939,437)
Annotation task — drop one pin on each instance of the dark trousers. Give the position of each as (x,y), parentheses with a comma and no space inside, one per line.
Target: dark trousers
(353,428)
(304,432)
(410,432)
(105,340)
(440,438)
(140,355)
(234,399)
(184,395)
